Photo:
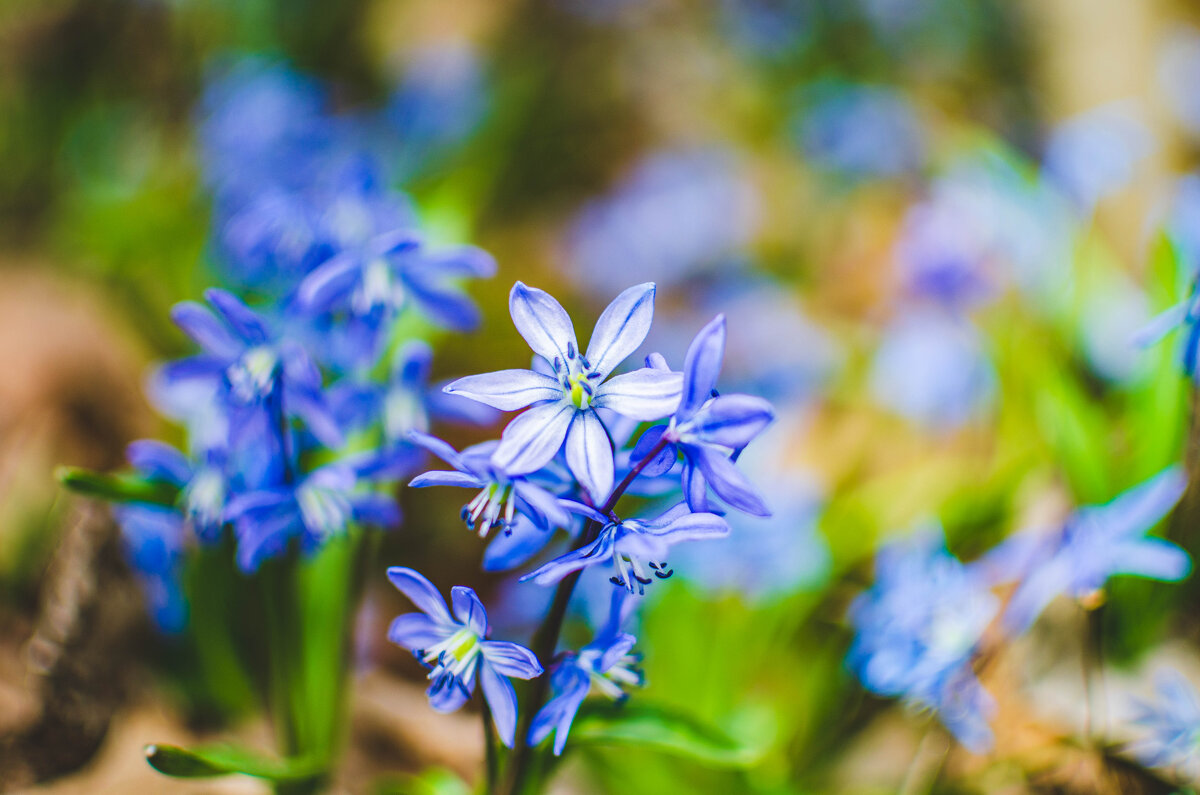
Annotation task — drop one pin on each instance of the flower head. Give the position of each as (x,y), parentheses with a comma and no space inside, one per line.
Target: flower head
(710,430)
(606,665)
(918,628)
(564,400)
(456,651)
(635,548)
(1096,542)
(1172,724)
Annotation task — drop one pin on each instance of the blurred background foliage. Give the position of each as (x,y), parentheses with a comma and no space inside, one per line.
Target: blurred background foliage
(938,296)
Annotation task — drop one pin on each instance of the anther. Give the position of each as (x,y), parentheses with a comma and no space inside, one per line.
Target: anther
(570,350)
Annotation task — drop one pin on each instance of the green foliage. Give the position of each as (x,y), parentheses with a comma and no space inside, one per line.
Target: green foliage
(661,729)
(224,760)
(116,488)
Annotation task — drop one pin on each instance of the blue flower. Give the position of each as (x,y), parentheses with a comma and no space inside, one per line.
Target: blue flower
(314,509)
(1095,543)
(918,628)
(456,651)
(249,364)
(861,131)
(606,664)
(371,283)
(931,369)
(203,486)
(1096,153)
(513,504)
(1172,723)
(635,548)
(563,405)
(710,429)
(153,537)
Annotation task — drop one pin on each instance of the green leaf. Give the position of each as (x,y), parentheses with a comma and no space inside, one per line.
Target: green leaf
(660,729)
(116,488)
(224,760)
(434,781)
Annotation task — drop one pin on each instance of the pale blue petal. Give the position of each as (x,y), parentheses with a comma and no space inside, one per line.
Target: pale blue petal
(729,483)
(329,283)
(443,478)
(159,461)
(731,420)
(247,323)
(417,632)
(644,395)
(1153,558)
(590,455)
(533,438)
(437,447)
(543,323)
(203,327)
(502,700)
(468,610)
(512,659)
(507,390)
(421,593)
(621,328)
(599,551)
(702,366)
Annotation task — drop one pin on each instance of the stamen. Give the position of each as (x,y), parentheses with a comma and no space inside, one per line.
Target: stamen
(570,350)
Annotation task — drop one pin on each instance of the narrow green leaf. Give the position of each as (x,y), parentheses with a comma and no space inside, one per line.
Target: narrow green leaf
(660,729)
(116,488)
(224,760)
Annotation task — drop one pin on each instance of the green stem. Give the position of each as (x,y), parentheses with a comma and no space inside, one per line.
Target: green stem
(545,640)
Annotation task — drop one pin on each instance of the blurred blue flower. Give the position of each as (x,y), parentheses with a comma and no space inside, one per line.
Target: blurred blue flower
(1183,222)
(314,509)
(563,405)
(1095,154)
(931,369)
(1112,317)
(636,548)
(918,628)
(249,364)
(1172,724)
(677,213)
(1094,543)
(371,284)
(769,28)
(203,485)
(153,539)
(456,651)
(860,131)
(709,430)
(606,664)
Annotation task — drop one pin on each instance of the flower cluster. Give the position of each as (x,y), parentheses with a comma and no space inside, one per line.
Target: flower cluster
(563,465)
(920,628)
(293,436)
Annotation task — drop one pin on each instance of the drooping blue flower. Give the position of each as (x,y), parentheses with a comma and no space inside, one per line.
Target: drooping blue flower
(1096,153)
(563,405)
(917,629)
(249,364)
(457,652)
(373,282)
(931,369)
(153,538)
(1094,543)
(314,509)
(710,429)
(679,213)
(515,505)
(606,665)
(1172,724)
(635,548)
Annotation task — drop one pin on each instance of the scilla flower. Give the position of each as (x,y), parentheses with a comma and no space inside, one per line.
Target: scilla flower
(202,486)
(635,548)
(564,402)
(313,510)
(1095,543)
(606,665)
(456,651)
(707,429)
(918,628)
(1172,724)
